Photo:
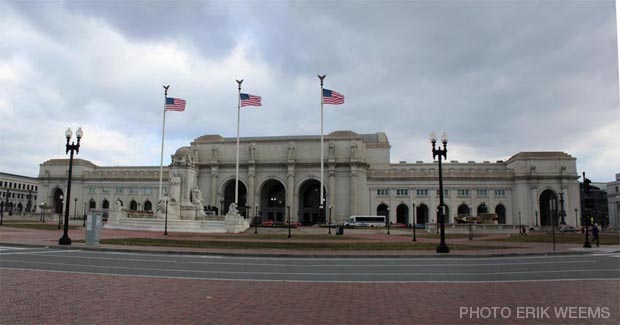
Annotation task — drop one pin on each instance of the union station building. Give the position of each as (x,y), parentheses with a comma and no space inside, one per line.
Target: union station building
(280,176)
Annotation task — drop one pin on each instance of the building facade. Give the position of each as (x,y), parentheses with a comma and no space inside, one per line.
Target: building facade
(18,193)
(279,177)
(613,202)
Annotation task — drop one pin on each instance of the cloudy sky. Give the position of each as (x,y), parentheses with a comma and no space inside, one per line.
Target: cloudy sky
(499,77)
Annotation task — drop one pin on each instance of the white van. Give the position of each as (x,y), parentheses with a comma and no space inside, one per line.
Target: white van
(366,221)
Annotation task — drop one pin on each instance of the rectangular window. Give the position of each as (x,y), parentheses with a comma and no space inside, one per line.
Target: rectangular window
(421,192)
(134,191)
(147,191)
(445,192)
(402,192)
(500,192)
(481,192)
(463,192)
(105,190)
(91,190)
(382,192)
(119,190)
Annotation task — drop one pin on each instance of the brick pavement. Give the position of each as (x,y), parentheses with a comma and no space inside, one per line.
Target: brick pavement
(38,297)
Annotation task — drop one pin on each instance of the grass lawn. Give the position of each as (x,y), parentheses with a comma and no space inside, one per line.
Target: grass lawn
(562,238)
(259,236)
(284,245)
(36,225)
(448,236)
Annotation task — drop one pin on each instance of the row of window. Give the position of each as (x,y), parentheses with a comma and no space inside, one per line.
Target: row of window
(424,192)
(18,195)
(133,205)
(120,190)
(19,186)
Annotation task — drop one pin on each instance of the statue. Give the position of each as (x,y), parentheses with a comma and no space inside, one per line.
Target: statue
(354,151)
(197,198)
(291,151)
(175,190)
(332,150)
(118,205)
(214,154)
(252,152)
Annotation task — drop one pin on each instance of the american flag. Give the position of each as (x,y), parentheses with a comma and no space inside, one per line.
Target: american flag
(175,104)
(250,100)
(332,97)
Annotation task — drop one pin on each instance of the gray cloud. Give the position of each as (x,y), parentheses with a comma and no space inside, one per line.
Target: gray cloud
(499,77)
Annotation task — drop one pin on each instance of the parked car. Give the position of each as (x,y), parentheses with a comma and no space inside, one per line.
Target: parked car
(267,223)
(568,229)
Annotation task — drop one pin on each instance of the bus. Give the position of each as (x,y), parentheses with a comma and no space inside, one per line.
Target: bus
(366,221)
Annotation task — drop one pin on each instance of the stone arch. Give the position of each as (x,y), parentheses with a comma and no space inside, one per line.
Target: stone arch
(548,204)
(384,210)
(272,200)
(133,205)
(92,204)
(58,197)
(105,204)
(228,190)
(463,210)
(402,214)
(500,211)
(421,214)
(482,208)
(310,201)
(148,206)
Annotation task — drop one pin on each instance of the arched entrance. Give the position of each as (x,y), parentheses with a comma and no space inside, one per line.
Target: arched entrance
(133,205)
(383,210)
(500,211)
(548,208)
(421,214)
(482,208)
(402,214)
(148,206)
(58,199)
(105,204)
(309,202)
(92,204)
(229,197)
(463,210)
(273,201)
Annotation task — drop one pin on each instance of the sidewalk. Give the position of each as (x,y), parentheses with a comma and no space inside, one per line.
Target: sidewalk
(49,238)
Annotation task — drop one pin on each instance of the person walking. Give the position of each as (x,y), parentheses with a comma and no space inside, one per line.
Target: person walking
(595,234)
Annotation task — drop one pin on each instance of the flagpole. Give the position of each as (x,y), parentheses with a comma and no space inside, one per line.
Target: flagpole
(321,191)
(161,159)
(239,82)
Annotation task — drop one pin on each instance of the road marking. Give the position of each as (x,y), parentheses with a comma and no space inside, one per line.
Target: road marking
(37,253)
(311,273)
(580,280)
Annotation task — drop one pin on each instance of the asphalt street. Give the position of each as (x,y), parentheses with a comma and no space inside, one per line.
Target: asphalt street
(370,270)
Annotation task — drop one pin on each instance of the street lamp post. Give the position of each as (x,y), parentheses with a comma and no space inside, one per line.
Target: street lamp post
(62,199)
(75,208)
(43,207)
(520,225)
(439,153)
(414,222)
(6,205)
(256,221)
(288,208)
(84,214)
(576,220)
(166,217)
(562,211)
(329,224)
(73,147)
(222,207)
(388,220)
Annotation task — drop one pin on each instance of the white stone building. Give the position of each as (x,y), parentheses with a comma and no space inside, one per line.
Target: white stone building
(280,176)
(18,194)
(613,202)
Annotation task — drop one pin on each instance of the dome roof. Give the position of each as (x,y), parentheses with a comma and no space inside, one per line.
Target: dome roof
(183,151)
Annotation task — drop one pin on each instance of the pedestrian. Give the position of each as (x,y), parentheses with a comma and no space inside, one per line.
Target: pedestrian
(595,234)
(523,231)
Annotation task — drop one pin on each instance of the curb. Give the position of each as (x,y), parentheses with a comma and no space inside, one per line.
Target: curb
(293,255)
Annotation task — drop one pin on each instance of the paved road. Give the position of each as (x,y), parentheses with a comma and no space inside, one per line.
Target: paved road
(208,267)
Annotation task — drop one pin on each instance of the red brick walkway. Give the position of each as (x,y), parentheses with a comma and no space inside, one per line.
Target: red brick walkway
(34,297)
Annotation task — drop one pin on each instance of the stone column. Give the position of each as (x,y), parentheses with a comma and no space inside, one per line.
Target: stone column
(353,190)
(251,190)
(214,174)
(290,192)
(332,189)
(534,206)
